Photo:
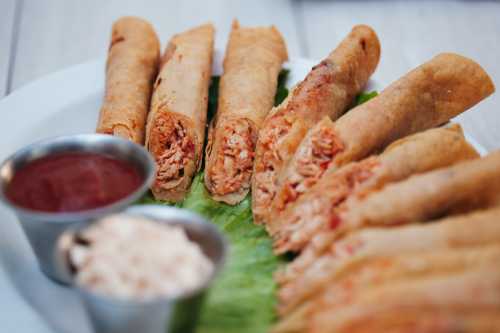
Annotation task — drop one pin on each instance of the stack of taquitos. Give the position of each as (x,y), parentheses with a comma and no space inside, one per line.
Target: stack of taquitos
(176,123)
(421,152)
(468,301)
(426,97)
(327,90)
(130,71)
(253,60)
(319,268)
(462,187)
(376,271)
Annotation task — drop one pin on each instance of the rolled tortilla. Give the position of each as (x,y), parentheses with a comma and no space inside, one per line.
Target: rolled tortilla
(417,153)
(426,97)
(327,90)
(176,124)
(372,272)
(131,68)
(400,304)
(465,186)
(253,61)
(314,268)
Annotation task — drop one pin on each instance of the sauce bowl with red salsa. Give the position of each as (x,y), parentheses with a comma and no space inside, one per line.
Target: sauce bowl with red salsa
(56,183)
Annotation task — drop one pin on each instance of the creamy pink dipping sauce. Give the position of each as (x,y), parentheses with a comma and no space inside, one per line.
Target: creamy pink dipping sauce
(132,257)
(69,182)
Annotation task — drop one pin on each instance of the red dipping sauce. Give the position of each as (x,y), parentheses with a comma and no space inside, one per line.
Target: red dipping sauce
(69,182)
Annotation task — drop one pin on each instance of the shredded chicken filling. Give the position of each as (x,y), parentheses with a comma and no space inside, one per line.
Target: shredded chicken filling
(232,169)
(305,97)
(325,145)
(271,140)
(313,278)
(173,149)
(312,215)
(361,172)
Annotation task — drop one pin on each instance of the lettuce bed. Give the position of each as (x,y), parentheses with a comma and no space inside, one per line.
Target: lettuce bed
(243,297)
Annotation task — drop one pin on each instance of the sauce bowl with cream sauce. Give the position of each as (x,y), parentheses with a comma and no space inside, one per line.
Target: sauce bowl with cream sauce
(145,270)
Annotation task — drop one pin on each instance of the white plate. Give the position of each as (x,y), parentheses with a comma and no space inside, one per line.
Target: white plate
(66,102)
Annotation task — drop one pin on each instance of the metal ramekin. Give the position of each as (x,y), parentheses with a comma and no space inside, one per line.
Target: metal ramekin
(162,315)
(42,228)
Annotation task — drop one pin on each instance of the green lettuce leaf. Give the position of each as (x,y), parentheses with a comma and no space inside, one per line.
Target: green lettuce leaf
(364,97)
(242,299)
(281,91)
(213,93)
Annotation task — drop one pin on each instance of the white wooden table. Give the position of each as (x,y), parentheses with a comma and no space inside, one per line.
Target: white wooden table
(41,36)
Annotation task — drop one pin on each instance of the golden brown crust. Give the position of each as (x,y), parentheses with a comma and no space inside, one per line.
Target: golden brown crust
(426,97)
(422,320)
(131,67)
(252,63)
(327,90)
(176,124)
(310,161)
(421,152)
(254,57)
(459,188)
(377,271)
(473,290)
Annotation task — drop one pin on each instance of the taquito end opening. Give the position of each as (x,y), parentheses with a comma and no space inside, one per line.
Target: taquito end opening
(173,147)
(230,161)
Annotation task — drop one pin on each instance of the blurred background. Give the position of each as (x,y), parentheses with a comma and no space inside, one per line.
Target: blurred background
(38,37)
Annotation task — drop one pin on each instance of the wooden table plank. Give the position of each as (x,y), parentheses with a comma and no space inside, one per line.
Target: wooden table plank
(7,8)
(411,32)
(55,34)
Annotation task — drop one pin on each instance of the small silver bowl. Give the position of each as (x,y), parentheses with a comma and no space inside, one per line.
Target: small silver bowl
(165,314)
(43,228)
